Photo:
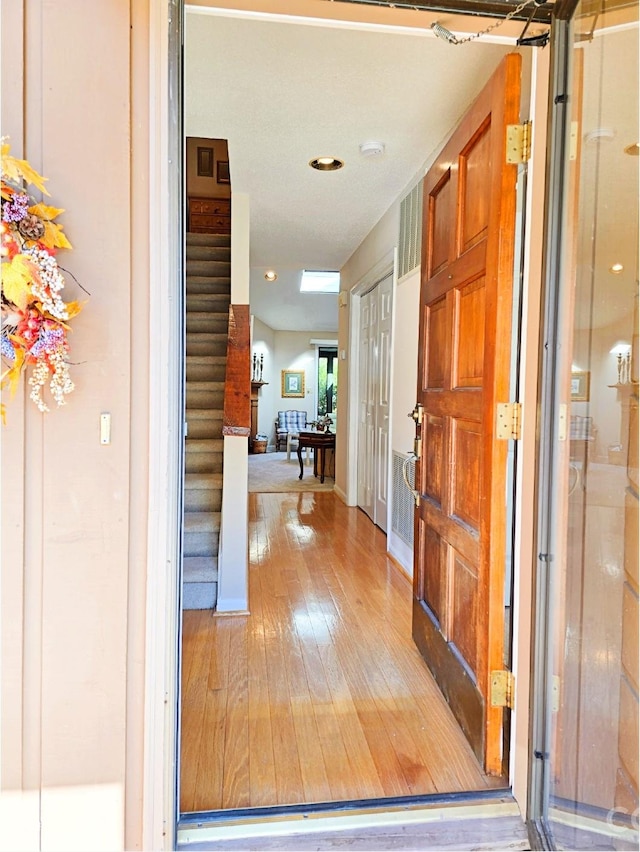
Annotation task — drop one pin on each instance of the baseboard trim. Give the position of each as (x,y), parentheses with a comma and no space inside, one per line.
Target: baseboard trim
(231,606)
(341,494)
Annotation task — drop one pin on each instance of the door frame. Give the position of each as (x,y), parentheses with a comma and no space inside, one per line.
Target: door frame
(158,726)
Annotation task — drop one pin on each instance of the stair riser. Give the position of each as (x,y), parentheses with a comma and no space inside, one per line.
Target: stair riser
(203,429)
(208,239)
(203,500)
(215,268)
(199,595)
(203,463)
(207,285)
(206,324)
(201,543)
(206,372)
(204,399)
(205,344)
(208,302)
(195,252)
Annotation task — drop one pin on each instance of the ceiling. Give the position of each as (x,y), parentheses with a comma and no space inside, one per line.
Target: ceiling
(283,93)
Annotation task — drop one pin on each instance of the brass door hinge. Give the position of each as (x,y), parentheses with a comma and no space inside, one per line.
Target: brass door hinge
(509,421)
(502,689)
(518,142)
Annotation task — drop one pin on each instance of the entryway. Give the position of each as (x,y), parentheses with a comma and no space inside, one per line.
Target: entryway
(319,695)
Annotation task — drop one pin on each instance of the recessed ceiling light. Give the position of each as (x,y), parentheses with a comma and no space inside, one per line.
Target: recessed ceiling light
(326,164)
(616,268)
(270,275)
(632,150)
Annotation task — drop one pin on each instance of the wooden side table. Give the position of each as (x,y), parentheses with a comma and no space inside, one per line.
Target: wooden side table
(320,442)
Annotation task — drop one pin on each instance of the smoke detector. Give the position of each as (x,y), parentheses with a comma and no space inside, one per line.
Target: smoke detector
(371,149)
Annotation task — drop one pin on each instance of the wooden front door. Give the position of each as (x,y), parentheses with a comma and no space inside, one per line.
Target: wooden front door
(463,372)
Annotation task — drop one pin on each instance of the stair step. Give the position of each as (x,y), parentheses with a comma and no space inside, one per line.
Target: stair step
(203,456)
(208,252)
(199,595)
(216,268)
(205,394)
(213,284)
(201,533)
(207,321)
(208,239)
(206,368)
(200,569)
(208,302)
(204,423)
(201,343)
(200,496)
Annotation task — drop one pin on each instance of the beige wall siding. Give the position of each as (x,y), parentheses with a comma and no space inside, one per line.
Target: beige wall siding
(65,567)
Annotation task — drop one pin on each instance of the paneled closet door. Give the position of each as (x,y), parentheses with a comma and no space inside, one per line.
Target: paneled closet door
(365,406)
(374,389)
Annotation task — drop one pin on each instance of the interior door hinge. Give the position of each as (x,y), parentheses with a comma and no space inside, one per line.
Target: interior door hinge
(509,421)
(555,694)
(502,689)
(518,142)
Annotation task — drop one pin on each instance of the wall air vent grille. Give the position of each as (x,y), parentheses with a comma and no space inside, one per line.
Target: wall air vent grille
(410,240)
(403,503)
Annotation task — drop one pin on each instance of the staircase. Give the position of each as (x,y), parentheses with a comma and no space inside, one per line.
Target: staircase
(208,272)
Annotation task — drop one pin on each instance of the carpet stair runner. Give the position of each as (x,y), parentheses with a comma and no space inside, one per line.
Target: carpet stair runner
(208,269)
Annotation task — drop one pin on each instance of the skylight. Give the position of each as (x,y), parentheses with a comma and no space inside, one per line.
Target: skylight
(319,281)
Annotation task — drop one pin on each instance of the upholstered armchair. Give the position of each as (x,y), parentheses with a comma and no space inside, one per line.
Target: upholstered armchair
(288,427)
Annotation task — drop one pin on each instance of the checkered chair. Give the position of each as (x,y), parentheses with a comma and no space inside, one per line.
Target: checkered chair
(288,427)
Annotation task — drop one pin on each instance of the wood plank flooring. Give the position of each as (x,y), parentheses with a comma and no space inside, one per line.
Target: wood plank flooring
(319,694)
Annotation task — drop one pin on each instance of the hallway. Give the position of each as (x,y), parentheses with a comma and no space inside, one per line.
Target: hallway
(319,694)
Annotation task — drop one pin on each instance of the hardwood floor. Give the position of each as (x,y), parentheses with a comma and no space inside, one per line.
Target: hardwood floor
(319,694)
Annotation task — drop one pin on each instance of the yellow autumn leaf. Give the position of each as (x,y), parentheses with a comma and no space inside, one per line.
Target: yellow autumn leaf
(12,376)
(74,308)
(54,237)
(17,275)
(17,170)
(3,413)
(45,212)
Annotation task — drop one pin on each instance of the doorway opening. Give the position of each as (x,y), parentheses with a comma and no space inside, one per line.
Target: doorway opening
(288,672)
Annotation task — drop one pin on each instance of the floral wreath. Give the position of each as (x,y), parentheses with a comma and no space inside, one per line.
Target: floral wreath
(34,315)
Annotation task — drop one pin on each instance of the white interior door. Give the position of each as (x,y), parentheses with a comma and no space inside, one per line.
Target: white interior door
(365,408)
(374,388)
(382,393)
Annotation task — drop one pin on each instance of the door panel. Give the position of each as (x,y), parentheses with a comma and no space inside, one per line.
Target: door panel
(463,371)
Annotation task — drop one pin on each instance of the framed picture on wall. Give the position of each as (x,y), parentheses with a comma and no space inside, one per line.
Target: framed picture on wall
(205,162)
(293,383)
(580,387)
(223,174)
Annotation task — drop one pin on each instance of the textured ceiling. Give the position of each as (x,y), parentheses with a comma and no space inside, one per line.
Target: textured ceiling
(283,93)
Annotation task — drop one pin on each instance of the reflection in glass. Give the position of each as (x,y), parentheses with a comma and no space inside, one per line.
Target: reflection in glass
(593,777)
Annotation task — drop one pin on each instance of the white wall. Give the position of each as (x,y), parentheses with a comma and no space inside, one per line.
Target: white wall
(285,350)
(263,344)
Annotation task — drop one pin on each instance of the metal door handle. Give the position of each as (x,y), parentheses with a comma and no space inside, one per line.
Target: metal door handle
(415,494)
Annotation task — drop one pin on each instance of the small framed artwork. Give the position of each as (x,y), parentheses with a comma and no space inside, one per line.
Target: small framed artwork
(205,162)
(223,175)
(293,383)
(580,387)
